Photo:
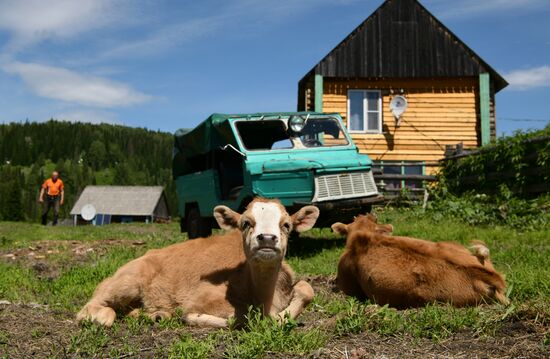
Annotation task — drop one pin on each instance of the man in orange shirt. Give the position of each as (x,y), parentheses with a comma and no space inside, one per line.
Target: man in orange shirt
(55,196)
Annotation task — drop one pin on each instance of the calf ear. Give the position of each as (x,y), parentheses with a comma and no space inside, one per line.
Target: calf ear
(226,217)
(340,228)
(372,217)
(305,218)
(384,228)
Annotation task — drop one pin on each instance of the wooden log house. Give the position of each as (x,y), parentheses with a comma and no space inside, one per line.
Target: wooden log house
(402,49)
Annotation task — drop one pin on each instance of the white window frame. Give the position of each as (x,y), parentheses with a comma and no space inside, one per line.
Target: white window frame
(365,112)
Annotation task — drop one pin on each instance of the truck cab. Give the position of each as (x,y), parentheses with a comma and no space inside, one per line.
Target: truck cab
(300,158)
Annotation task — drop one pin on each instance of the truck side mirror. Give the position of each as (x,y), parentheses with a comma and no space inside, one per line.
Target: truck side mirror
(224,148)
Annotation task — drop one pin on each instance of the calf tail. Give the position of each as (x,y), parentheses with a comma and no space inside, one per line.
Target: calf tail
(480,250)
(493,280)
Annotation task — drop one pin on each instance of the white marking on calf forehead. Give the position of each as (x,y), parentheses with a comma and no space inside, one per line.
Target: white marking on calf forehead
(267,216)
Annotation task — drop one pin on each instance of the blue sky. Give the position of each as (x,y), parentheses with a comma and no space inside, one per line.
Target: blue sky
(168,64)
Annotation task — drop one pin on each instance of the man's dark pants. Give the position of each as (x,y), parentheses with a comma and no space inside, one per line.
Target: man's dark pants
(49,202)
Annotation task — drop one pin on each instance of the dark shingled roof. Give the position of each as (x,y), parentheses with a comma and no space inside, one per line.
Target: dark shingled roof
(121,200)
(403,39)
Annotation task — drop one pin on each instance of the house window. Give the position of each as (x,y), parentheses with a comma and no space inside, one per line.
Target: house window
(365,111)
(393,169)
(413,170)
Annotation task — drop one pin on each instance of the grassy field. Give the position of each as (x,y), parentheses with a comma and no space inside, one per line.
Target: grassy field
(48,273)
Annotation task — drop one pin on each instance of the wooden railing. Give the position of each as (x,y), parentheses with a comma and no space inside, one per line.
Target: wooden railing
(415,193)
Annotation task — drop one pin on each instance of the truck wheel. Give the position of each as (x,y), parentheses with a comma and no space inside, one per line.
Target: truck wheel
(197,226)
(183,225)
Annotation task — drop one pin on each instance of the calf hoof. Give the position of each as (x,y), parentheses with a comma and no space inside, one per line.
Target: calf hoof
(97,314)
(159,315)
(135,313)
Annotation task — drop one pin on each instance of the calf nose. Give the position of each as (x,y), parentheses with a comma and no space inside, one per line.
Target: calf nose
(267,239)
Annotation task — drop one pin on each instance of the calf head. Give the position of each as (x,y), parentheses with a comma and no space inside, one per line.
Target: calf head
(367,222)
(265,227)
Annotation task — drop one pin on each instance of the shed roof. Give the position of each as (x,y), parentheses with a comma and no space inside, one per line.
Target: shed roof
(403,39)
(120,200)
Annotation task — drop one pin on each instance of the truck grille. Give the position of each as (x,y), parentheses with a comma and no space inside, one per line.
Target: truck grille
(344,185)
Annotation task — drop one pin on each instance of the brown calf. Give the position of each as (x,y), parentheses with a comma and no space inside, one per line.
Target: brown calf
(216,278)
(406,272)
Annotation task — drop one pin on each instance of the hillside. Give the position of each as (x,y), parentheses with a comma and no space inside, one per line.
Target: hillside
(84,154)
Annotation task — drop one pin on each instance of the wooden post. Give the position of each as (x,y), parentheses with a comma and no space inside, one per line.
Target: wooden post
(484,107)
(318,93)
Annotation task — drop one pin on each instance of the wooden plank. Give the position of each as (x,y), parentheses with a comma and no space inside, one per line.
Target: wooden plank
(441,139)
(408,152)
(405,177)
(318,93)
(484,106)
(413,144)
(428,148)
(409,141)
(420,96)
(402,157)
(440,84)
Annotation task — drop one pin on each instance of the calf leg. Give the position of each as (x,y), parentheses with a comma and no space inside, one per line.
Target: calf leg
(206,320)
(302,295)
(117,292)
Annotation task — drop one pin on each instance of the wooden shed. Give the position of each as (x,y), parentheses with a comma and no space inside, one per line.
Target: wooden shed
(402,49)
(115,204)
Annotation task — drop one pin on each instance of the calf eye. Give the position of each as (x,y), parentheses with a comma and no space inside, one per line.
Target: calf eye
(286,226)
(245,224)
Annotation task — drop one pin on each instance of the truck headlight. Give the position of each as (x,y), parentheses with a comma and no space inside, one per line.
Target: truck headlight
(296,124)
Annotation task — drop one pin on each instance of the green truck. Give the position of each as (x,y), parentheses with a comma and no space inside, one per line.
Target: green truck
(299,157)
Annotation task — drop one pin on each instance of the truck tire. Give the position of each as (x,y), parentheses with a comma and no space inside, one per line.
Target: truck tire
(197,226)
(183,225)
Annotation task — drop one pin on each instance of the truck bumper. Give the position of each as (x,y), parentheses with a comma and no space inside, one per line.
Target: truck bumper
(341,210)
(344,203)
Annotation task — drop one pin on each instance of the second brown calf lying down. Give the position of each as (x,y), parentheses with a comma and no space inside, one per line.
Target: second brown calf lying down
(406,272)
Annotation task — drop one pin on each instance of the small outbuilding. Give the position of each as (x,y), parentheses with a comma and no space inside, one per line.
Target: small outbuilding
(122,204)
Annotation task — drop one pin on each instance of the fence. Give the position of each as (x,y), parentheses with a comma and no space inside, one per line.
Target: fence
(403,184)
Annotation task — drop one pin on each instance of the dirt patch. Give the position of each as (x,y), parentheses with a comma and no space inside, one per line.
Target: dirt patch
(461,345)
(49,258)
(31,331)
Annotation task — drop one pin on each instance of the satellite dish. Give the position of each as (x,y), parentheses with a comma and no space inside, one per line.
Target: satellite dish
(88,212)
(398,105)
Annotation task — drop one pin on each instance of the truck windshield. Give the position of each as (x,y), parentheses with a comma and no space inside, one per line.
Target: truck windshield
(264,135)
(274,134)
(322,132)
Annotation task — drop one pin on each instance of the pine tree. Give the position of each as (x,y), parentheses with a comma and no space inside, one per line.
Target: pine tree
(14,205)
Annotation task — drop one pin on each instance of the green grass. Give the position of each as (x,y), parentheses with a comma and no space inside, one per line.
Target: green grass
(524,257)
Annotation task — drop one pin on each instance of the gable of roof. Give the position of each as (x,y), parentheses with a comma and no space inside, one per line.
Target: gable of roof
(120,200)
(403,39)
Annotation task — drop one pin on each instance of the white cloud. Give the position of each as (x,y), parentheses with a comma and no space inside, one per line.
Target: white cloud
(88,116)
(69,86)
(247,14)
(165,37)
(463,8)
(30,21)
(526,79)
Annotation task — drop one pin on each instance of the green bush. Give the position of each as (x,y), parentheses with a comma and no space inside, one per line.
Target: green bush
(519,162)
(502,207)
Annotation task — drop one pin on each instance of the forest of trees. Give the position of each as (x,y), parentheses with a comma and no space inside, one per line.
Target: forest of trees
(84,154)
